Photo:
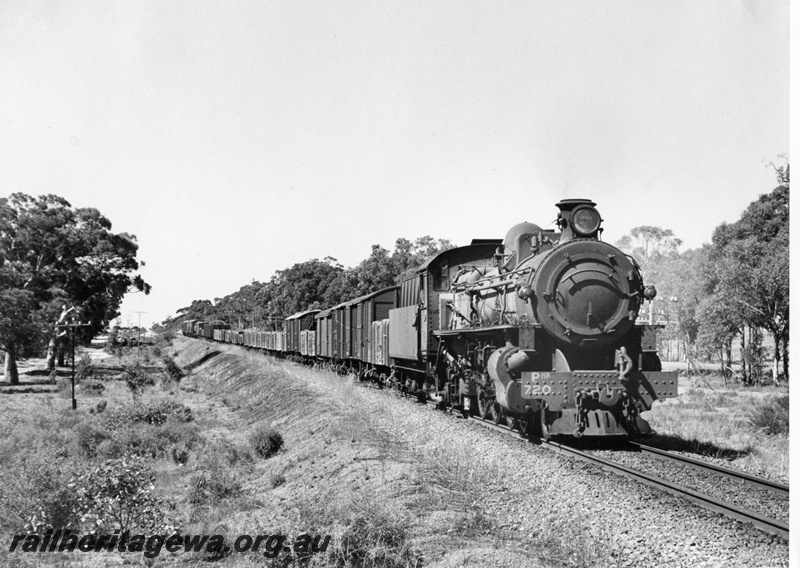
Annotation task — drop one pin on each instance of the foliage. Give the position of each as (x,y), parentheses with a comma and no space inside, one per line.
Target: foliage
(266,441)
(55,505)
(734,287)
(159,429)
(648,244)
(84,368)
(155,413)
(373,538)
(214,482)
(367,532)
(676,277)
(92,387)
(172,369)
(52,255)
(138,379)
(749,268)
(116,495)
(772,417)
(168,440)
(313,284)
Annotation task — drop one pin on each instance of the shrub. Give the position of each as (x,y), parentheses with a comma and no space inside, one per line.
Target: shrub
(266,441)
(152,430)
(138,380)
(116,495)
(180,454)
(230,453)
(371,533)
(373,538)
(55,504)
(156,413)
(172,369)
(772,417)
(169,440)
(84,368)
(90,435)
(214,483)
(92,387)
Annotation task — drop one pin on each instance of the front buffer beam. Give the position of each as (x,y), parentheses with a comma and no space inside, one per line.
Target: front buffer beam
(597,403)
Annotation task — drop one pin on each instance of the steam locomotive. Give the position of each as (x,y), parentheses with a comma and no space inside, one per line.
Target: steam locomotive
(538,330)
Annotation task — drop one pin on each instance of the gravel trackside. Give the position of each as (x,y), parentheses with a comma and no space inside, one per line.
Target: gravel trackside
(422,488)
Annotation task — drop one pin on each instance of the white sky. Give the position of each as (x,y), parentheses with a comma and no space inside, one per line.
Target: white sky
(238,138)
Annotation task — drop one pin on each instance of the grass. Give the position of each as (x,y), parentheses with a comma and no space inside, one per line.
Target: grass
(747,426)
(438,487)
(772,417)
(344,461)
(213,482)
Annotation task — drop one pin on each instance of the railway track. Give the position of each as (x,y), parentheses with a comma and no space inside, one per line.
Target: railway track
(739,476)
(761,522)
(743,514)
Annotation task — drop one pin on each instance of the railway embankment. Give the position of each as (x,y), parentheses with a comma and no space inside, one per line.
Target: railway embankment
(392,482)
(398,483)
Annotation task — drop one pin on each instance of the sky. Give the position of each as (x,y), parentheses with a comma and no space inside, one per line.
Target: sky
(235,139)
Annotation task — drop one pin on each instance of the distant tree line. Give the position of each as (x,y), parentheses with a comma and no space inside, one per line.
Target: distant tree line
(732,291)
(58,263)
(314,284)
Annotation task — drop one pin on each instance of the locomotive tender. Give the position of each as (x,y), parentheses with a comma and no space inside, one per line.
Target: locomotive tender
(538,330)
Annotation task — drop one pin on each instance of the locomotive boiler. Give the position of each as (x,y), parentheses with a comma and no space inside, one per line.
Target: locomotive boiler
(545,336)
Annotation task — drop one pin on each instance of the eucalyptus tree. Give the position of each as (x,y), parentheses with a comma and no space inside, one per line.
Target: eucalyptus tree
(58,260)
(749,267)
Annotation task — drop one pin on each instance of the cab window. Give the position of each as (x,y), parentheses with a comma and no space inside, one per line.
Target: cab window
(441,277)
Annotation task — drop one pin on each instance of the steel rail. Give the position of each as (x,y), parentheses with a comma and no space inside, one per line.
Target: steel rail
(733,474)
(759,521)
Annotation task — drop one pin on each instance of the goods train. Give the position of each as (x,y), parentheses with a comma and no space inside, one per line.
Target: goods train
(538,330)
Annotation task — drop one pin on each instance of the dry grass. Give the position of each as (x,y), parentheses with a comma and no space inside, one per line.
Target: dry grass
(356,464)
(712,419)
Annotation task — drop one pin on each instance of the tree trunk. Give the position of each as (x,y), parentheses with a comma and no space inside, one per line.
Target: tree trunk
(745,375)
(786,359)
(777,357)
(729,356)
(55,346)
(11,371)
(51,355)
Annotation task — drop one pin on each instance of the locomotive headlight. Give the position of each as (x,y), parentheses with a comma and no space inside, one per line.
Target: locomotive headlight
(585,220)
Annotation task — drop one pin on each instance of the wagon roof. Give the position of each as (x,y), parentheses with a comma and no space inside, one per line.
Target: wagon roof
(301,314)
(355,301)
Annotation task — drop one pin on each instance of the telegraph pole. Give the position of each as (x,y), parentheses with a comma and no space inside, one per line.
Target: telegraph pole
(139,336)
(72,326)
